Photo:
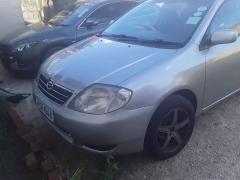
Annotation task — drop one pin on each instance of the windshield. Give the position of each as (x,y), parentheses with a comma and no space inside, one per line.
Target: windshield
(161,22)
(69,17)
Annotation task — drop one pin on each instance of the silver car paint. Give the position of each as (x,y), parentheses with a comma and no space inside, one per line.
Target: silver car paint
(151,73)
(93,58)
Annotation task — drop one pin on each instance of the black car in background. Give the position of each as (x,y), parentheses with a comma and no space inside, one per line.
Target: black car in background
(25,49)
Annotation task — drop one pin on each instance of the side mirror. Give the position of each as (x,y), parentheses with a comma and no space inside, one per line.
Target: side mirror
(224,37)
(91,22)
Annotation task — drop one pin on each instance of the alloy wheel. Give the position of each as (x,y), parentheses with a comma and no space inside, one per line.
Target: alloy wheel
(172,132)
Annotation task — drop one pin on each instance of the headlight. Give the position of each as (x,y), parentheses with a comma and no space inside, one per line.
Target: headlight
(101,99)
(22,47)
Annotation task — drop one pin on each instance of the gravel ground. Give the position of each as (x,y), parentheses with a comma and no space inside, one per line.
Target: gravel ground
(213,151)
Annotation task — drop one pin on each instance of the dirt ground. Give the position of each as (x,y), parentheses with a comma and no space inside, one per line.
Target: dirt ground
(12,152)
(212,153)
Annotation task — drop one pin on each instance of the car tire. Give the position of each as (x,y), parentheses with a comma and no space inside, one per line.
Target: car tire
(170,128)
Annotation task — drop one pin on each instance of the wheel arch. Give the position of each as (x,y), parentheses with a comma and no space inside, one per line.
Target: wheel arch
(189,95)
(184,92)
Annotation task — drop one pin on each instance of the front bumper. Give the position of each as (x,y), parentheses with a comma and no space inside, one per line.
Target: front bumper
(18,61)
(119,132)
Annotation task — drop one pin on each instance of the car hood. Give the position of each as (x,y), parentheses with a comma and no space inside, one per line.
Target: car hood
(25,34)
(99,60)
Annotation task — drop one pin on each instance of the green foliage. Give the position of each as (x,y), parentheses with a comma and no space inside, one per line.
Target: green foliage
(111,172)
(76,175)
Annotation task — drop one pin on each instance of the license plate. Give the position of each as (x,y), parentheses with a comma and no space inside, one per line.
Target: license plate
(47,111)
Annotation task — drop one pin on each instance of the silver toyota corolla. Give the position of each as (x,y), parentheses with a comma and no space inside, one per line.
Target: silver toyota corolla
(140,84)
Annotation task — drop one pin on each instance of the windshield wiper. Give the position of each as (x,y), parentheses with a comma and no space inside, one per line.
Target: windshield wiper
(161,42)
(118,36)
(155,42)
(50,23)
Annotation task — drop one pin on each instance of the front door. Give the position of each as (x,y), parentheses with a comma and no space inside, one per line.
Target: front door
(223,60)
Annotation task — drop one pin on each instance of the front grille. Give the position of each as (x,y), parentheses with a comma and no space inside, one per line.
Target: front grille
(56,93)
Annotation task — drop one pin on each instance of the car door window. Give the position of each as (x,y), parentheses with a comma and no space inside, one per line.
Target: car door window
(228,17)
(109,12)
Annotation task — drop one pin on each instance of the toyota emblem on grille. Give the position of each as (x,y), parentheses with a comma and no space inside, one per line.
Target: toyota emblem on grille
(50,85)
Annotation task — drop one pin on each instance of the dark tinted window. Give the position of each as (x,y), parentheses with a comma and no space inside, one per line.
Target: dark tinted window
(228,17)
(70,17)
(111,11)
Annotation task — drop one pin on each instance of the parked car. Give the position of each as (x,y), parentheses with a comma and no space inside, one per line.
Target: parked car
(25,49)
(141,83)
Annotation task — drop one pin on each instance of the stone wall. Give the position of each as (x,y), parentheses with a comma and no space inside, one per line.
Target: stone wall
(35,11)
